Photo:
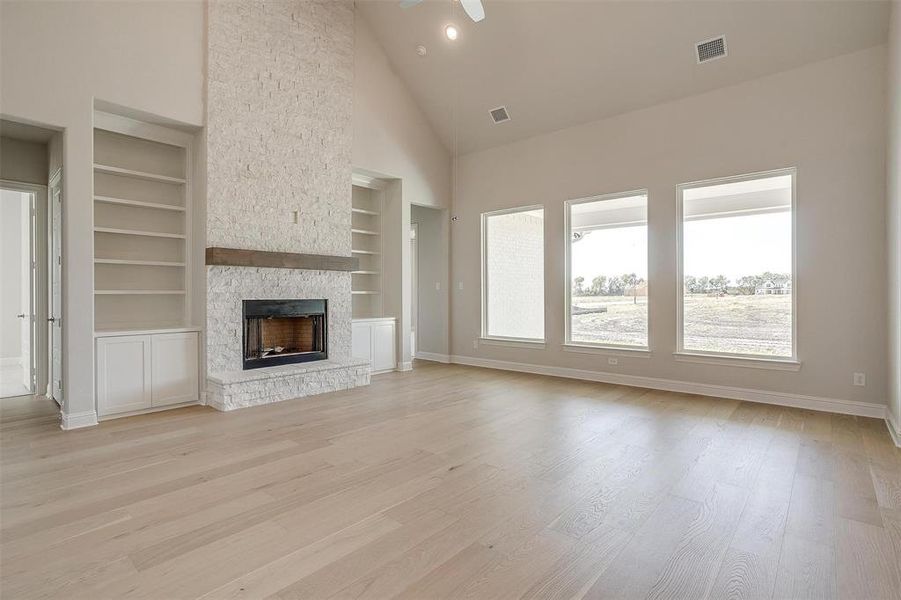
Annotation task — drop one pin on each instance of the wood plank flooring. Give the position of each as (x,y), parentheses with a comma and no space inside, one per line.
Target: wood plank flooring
(453,482)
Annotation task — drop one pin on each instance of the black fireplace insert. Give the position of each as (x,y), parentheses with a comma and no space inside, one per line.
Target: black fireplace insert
(281,332)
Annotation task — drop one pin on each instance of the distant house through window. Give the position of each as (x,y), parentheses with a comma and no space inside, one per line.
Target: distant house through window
(513,274)
(737,266)
(607,270)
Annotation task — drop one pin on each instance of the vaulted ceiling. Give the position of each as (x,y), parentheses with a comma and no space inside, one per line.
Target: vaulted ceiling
(559,63)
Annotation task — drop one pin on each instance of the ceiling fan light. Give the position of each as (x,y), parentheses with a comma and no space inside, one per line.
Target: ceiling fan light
(451,32)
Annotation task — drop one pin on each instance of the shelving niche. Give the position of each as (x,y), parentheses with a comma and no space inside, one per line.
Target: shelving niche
(366,228)
(142,226)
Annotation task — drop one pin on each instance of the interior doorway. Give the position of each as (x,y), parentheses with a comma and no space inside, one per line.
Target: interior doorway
(429,306)
(19,354)
(30,261)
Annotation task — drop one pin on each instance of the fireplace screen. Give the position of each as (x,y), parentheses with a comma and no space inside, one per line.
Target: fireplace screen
(278,332)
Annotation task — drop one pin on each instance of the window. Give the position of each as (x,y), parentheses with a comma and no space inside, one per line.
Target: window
(737,267)
(513,274)
(607,270)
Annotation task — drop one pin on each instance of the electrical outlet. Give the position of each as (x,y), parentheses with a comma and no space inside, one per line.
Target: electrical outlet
(459,285)
(437,286)
(475,344)
(612,361)
(860,379)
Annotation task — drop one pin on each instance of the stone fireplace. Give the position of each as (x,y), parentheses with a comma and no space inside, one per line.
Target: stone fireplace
(278,161)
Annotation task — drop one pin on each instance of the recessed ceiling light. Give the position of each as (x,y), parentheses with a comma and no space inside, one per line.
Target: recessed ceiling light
(421,50)
(451,32)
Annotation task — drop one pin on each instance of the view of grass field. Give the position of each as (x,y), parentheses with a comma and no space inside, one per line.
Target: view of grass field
(624,323)
(739,324)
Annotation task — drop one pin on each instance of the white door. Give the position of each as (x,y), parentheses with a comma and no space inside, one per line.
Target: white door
(174,372)
(383,347)
(361,341)
(123,374)
(55,387)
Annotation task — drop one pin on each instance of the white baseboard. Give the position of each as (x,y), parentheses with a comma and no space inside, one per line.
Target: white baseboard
(894,427)
(433,356)
(833,405)
(78,420)
(405,366)
(13,361)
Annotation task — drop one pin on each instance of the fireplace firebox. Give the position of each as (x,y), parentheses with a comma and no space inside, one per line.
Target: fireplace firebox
(280,332)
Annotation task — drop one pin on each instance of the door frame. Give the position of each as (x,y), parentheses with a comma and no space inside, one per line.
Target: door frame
(38,279)
(414,287)
(55,181)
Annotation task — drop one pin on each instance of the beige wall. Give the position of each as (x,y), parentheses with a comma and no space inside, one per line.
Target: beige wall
(391,135)
(893,169)
(393,140)
(827,119)
(55,59)
(23,161)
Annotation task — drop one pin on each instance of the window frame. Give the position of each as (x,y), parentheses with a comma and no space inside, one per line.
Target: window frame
(785,363)
(511,340)
(568,343)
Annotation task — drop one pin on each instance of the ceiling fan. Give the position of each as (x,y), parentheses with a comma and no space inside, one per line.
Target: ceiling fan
(473,8)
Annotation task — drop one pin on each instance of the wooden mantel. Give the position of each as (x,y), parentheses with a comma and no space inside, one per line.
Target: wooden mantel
(234,257)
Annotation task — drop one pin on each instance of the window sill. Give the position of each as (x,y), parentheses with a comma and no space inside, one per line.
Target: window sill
(772,364)
(607,350)
(513,343)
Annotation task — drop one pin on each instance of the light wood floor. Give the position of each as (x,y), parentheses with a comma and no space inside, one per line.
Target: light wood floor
(453,482)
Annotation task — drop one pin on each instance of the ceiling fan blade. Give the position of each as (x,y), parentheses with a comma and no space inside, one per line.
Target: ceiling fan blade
(474,9)
(409,3)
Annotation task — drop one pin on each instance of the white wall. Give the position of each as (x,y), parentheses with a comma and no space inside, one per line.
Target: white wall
(432,279)
(827,119)
(391,134)
(893,171)
(56,58)
(10,273)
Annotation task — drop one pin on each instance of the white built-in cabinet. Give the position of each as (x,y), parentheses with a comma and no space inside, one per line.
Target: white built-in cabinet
(146,371)
(374,340)
(146,344)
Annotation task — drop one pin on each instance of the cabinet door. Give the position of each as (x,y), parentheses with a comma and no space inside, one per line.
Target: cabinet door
(383,356)
(361,341)
(174,368)
(123,374)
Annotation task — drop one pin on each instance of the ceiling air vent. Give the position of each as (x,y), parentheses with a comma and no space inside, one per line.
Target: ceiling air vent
(711,49)
(499,114)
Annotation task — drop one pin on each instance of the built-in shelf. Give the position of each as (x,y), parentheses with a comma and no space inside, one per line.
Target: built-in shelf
(138,292)
(142,263)
(142,192)
(138,203)
(366,224)
(142,232)
(111,170)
